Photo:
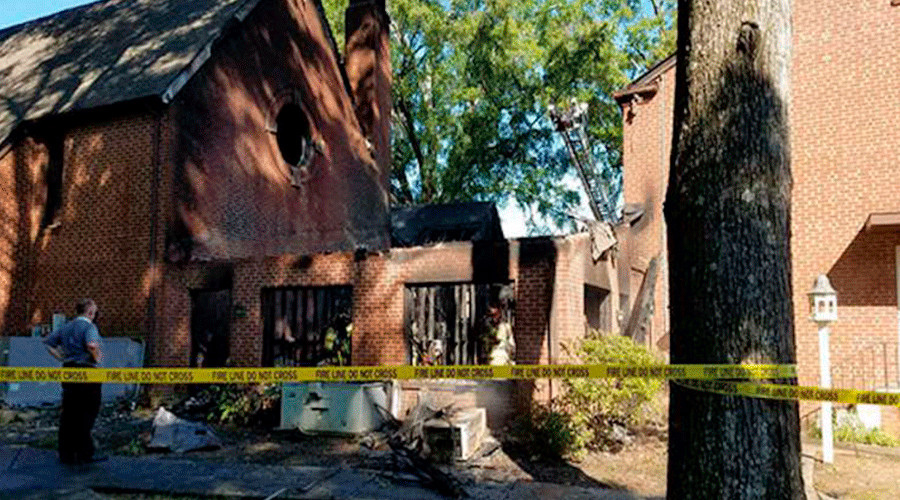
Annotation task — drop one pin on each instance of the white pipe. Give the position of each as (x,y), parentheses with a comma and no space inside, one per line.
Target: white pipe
(897,277)
(825,382)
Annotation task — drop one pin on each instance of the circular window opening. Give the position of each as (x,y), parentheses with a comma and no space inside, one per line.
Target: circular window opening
(293,136)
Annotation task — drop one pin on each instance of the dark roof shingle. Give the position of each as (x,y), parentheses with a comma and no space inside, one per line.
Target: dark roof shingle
(106,52)
(429,224)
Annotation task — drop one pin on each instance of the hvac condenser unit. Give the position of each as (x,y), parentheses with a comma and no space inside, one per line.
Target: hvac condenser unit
(336,407)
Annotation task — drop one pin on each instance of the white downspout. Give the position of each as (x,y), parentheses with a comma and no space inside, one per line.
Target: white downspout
(897,276)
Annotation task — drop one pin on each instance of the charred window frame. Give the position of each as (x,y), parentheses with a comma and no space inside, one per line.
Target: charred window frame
(598,312)
(291,127)
(447,323)
(307,326)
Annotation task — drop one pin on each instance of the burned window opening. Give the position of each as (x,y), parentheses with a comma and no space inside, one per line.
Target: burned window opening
(293,135)
(210,326)
(456,323)
(598,312)
(307,326)
(54,181)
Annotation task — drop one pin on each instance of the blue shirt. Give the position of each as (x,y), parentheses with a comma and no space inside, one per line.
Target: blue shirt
(74,337)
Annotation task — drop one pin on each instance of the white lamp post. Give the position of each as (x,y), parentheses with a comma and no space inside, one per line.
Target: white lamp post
(823,310)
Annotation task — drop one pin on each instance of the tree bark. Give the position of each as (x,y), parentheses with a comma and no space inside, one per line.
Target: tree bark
(728,215)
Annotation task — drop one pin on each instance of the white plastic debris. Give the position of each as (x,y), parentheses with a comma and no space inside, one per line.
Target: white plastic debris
(179,435)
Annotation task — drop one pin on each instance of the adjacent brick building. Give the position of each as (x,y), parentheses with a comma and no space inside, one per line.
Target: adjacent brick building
(215,174)
(845,160)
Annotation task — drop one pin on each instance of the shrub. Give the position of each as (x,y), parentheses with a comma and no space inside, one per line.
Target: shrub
(592,414)
(551,434)
(609,406)
(234,404)
(852,430)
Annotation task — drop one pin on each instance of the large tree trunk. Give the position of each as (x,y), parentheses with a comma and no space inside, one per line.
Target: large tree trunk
(728,215)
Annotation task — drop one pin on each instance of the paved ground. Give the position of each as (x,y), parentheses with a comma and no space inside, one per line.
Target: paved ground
(29,473)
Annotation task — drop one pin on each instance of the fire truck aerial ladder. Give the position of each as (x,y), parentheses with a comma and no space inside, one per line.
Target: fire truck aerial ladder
(572,126)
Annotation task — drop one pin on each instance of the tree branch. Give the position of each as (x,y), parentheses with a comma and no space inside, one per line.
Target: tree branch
(415,144)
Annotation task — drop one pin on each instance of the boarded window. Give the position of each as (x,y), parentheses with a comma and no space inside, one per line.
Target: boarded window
(307,326)
(444,323)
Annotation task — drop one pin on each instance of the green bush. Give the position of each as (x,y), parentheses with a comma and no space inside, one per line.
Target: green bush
(852,430)
(606,405)
(243,405)
(551,434)
(593,414)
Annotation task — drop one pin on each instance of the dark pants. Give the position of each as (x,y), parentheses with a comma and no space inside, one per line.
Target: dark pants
(80,405)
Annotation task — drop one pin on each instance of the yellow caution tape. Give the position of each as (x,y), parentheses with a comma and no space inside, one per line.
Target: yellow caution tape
(793,392)
(362,373)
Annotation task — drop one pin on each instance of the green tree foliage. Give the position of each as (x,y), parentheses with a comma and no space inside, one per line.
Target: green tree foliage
(473,79)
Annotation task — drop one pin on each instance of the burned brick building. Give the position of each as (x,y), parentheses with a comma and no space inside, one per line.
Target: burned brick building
(216,174)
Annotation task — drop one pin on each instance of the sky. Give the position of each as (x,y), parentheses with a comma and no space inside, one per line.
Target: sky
(18,11)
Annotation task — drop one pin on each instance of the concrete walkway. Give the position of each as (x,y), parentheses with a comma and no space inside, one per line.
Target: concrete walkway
(29,473)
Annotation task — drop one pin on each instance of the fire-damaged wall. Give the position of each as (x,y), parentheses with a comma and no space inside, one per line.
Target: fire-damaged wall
(269,156)
(547,277)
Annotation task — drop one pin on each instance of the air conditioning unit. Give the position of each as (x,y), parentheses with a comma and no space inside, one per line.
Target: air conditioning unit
(346,408)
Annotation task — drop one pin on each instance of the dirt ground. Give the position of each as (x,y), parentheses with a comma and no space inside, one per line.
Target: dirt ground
(859,472)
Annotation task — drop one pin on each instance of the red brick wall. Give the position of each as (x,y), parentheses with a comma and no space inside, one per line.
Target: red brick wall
(101,246)
(234,192)
(549,277)
(534,293)
(21,202)
(378,283)
(845,163)
(647,141)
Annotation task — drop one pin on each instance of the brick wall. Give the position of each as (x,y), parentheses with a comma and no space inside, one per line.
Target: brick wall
(21,169)
(234,192)
(101,244)
(647,141)
(845,163)
(548,276)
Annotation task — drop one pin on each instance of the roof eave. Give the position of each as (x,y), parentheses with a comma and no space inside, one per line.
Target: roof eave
(646,83)
(185,75)
(883,221)
(628,94)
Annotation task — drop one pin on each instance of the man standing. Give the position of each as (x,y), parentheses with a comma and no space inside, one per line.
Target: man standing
(77,345)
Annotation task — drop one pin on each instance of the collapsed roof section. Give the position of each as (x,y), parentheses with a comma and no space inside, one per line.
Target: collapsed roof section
(430,224)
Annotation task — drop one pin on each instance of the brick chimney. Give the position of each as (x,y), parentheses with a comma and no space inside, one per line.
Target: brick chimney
(368,65)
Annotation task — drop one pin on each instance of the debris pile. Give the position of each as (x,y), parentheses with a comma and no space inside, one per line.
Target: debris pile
(413,454)
(171,433)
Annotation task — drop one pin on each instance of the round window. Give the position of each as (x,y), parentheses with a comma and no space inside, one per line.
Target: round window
(293,135)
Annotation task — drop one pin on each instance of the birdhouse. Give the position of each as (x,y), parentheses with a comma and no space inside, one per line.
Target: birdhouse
(823,301)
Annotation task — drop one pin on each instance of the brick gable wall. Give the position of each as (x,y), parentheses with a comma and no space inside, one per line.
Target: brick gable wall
(234,192)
